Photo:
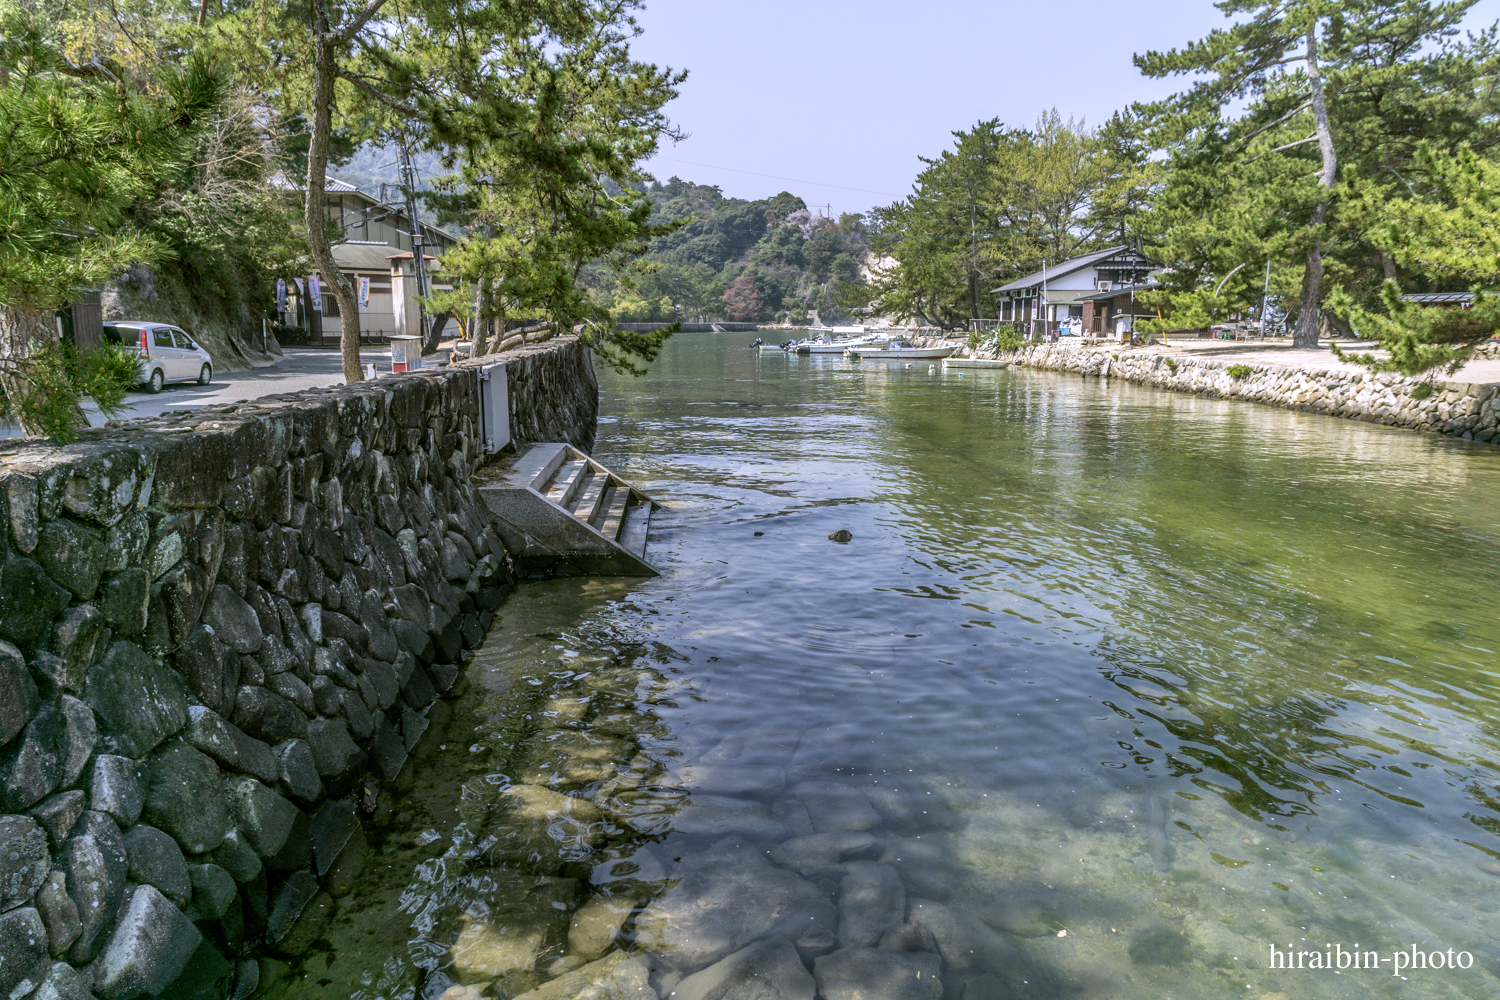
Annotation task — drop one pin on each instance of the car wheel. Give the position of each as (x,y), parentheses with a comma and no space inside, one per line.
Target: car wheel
(206,375)
(157,381)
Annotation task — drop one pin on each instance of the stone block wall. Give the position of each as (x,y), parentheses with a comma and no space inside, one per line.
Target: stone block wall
(1470,410)
(219,629)
(554,393)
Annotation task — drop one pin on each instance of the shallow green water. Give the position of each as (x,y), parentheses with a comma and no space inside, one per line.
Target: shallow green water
(1178,677)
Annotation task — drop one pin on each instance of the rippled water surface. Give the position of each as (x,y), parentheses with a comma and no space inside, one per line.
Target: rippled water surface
(1112,690)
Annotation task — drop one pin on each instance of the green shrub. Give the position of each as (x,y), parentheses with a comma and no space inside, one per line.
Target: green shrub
(1172,364)
(1422,391)
(1009,339)
(1238,371)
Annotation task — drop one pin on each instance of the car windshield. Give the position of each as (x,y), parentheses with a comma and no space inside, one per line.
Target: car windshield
(120,335)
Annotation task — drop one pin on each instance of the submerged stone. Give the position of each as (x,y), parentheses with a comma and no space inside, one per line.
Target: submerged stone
(506,930)
(751,780)
(726,899)
(871,900)
(614,977)
(822,852)
(873,974)
(715,816)
(596,926)
(570,759)
(836,807)
(542,828)
(767,970)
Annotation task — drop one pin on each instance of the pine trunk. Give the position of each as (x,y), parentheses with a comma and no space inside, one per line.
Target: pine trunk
(1309,317)
(481,322)
(317,213)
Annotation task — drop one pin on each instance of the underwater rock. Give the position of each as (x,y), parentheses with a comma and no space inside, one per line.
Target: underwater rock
(596,926)
(542,828)
(771,743)
(614,977)
(638,866)
(570,759)
(753,780)
(873,974)
(726,899)
(836,807)
(923,867)
(767,970)
(822,852)
(719,816)
(966,944)
(506,930)
(910,936)
(871,899)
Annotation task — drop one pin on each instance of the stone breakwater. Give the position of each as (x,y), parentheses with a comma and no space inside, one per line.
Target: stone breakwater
(1470,410)
(219,630)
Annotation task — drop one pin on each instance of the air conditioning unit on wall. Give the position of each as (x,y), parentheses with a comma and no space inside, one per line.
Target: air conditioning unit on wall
(1106,286)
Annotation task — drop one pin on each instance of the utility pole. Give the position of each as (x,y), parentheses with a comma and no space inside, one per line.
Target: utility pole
(1265,297)
(974,305)
(409,187)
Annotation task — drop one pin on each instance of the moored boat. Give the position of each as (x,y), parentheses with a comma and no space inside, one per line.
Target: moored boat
(839,346)
(899,350)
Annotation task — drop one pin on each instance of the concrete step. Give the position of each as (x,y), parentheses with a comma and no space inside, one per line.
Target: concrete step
(562,508)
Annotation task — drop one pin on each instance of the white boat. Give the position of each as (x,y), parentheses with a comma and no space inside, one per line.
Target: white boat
(899,350)
(975,363)
(830,346)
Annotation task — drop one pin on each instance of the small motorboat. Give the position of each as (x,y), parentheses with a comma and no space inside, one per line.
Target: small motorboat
(827,346)
(775,347)
(898,350)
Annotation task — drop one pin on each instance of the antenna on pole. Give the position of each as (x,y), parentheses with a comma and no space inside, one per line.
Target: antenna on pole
(409,188)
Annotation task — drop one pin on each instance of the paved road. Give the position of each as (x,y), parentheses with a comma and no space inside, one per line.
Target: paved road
(300,368)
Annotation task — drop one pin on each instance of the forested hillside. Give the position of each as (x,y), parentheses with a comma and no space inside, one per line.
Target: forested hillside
(770,260)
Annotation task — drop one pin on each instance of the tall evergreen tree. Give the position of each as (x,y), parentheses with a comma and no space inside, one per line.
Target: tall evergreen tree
(1328,86)
(79,144)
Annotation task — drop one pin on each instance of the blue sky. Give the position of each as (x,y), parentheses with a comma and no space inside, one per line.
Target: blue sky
(841,97)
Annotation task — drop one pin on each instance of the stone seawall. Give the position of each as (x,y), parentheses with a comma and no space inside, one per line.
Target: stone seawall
(1470,410)
(219,630)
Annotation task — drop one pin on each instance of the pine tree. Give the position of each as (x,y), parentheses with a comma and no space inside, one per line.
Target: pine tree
(1328,87)
(79,145)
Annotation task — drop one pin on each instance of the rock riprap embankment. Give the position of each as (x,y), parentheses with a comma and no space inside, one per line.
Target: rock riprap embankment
(218,630)
(1468,410)
(698,864)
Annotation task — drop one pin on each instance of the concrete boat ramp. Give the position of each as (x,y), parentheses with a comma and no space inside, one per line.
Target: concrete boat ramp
(569,511)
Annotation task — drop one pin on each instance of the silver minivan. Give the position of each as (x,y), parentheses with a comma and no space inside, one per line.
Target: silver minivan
(166,352)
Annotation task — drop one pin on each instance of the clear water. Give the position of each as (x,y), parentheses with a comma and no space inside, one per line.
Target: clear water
(1156,681)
